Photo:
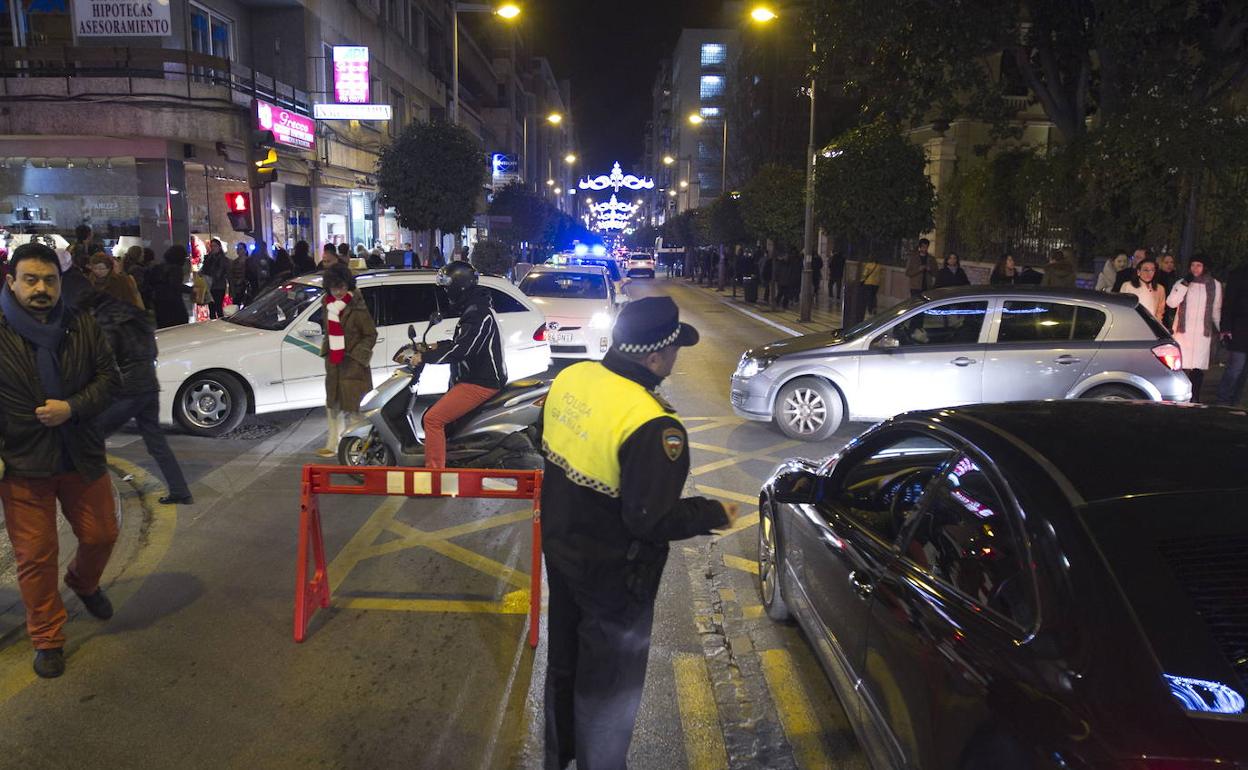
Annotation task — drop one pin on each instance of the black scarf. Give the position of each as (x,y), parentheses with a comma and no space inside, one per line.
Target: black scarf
(630,369)
(46,337)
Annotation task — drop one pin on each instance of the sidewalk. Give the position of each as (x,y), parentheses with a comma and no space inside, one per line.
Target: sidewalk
(131,521)
(825,315)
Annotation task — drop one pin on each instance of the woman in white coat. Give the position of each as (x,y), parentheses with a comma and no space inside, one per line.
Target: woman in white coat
(1198,302)
(1144,285)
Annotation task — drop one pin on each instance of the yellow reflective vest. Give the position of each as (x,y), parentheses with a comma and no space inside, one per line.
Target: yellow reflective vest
(589,414)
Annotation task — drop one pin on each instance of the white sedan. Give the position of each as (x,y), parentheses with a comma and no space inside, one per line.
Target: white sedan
(267,357)
(579,302)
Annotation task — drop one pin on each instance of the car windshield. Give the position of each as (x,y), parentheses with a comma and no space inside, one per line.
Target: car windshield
(277,307)
(880,319)
(613,268)
(1181,560)
(565,285)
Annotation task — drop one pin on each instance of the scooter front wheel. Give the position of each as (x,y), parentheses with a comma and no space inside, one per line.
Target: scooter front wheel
(359,451)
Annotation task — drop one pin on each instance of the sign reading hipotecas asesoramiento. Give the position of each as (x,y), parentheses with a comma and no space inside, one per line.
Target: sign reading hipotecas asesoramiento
(136,18)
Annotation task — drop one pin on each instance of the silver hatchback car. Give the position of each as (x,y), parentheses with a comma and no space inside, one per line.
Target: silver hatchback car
(966,345)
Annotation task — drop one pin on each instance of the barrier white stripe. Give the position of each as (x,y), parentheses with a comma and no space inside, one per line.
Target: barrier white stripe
(450,484)
(394,483)
(422,483)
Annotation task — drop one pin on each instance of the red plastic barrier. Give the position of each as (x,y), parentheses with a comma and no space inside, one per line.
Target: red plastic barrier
(311,595)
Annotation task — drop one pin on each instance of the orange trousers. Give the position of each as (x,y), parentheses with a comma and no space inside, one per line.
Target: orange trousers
(30,517)
(458,401)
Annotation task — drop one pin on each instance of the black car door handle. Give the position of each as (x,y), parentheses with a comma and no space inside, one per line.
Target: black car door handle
(862,586)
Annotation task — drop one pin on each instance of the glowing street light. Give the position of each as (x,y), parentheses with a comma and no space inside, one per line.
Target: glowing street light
(554,118)
(550,183)
(696,119)
(762,14)
(570,158)
(507,11)
(668,160)
(684,183)
(558,191)
(671,193)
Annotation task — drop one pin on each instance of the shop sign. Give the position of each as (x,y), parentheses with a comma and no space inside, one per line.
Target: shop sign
(352,111)
(149,18)
(504,169)
(351,74)
(289,128)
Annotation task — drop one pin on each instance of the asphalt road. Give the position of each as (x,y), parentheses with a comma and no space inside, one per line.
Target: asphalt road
(421,659)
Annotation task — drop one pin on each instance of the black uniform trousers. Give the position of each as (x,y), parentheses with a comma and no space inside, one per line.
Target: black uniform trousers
(599,641)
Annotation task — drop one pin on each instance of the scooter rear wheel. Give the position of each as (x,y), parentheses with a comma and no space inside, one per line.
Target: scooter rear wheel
(359,451)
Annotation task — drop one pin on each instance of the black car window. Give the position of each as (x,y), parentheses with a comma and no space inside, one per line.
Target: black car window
(405,303)
(955,324)
(502,301)
(964,539)
(1027,321)
(880,488)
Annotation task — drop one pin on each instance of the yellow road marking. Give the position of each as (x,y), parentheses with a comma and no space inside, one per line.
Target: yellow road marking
(760,454)
(514,603)
(712,425)
(745,565)
(699,717)
(363,546)
(15,659)
(797,716)
(727,494)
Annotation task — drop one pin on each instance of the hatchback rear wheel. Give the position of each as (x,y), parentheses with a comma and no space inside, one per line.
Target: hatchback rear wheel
(1114,393)
(808,409)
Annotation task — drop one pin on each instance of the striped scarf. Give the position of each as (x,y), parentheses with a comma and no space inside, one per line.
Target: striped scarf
(333,325)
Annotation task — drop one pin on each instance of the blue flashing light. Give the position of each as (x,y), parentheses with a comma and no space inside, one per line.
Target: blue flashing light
(1205,696)
(580,249)
(599,250)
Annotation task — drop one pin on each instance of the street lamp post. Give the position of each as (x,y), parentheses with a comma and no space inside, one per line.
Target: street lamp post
(763,14)
(506,11)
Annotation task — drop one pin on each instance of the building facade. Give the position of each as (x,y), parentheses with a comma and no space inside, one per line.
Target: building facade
(140,129)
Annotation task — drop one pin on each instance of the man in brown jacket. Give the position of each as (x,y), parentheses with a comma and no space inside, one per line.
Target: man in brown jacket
(56,374)
(921,268)
(350,335)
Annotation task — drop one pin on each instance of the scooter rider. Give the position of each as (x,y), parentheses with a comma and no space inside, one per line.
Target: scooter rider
(475,355)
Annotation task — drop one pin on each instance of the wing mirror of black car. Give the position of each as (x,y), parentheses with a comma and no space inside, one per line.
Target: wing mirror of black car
(885,342)
(796,487)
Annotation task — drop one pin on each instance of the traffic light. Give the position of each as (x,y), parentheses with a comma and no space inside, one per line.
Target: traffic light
(238,206)
(264,158)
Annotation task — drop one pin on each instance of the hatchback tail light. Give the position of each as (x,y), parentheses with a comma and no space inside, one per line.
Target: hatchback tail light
(540,334)
(1170,356)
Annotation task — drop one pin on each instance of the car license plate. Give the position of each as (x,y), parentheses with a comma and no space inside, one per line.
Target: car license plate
(562,338)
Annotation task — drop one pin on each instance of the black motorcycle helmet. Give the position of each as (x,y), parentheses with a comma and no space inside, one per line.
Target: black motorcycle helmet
(458,278)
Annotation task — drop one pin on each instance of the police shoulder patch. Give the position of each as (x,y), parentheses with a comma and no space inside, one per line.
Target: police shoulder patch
(673,443)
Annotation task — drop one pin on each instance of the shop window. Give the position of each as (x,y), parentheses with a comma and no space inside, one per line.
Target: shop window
(398,105)
(47,22)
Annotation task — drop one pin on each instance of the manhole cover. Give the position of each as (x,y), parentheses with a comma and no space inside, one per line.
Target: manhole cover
(251,431)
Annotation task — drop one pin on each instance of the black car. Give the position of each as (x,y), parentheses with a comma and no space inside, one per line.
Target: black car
(1026,585)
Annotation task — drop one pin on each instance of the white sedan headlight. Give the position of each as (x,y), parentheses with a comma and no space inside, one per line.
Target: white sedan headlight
(600,320)
(748,367)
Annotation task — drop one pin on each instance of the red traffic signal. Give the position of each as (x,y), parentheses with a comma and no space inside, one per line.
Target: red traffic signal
(238,207)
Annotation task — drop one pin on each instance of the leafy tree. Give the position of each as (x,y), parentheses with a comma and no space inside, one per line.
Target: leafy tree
(772,205)
(874,185)
(726,225)
(529,214)
(432,175)
(490,256)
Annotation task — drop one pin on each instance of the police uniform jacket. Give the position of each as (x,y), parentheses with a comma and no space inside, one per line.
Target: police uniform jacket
(617,459)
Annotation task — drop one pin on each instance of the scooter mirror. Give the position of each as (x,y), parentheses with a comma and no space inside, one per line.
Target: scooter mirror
(435,318)
(411,332)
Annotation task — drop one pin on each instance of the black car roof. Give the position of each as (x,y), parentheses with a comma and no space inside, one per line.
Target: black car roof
(1110,450)
(1126,300)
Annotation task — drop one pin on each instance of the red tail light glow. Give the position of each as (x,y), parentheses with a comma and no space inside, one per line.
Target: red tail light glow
(540,334)
(1170,356)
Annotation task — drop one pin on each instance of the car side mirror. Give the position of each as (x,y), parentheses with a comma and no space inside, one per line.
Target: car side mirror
(886,342)
(310,331)
(798,487)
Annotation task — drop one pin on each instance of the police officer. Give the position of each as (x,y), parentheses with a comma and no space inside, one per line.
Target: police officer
(616,462)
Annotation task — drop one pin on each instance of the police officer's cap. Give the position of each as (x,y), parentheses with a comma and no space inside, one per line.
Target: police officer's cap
(649,324)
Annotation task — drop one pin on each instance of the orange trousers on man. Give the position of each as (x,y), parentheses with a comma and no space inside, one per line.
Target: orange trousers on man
(458,401)
(30,517)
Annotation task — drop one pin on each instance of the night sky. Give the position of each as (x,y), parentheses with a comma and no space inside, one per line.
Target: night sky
(611,51)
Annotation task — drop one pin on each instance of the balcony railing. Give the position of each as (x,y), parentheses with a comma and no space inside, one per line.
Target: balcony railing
(132,64)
